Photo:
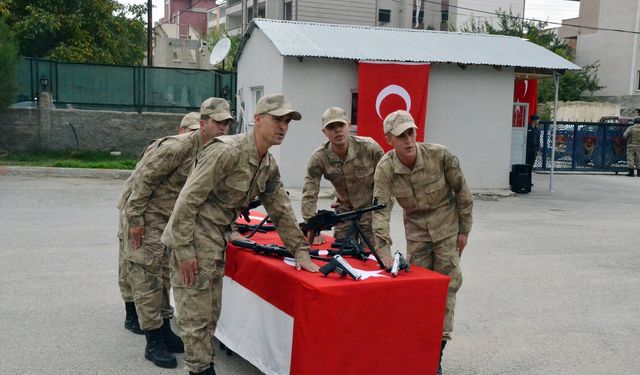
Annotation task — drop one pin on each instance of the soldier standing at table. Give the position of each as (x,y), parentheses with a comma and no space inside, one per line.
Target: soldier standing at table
(348,162)
(228,174)
(154,192)
(632,135)
(190,122)
(428,184)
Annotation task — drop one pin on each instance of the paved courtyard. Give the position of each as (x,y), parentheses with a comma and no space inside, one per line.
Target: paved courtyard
(551,281)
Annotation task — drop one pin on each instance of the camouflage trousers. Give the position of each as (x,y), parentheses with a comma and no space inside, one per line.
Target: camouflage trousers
(123,282)
(198,306)
(633,156)
(442,257)
(365,223)
(147,271)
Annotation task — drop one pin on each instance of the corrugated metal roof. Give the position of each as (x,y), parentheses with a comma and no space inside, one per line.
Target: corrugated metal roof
(308,39)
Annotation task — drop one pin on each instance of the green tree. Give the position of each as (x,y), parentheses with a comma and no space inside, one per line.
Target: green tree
(93,31)
(229,62)
(8,65)
(572,83)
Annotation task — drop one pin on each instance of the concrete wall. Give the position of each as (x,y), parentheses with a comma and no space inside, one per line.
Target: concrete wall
(30,129)
(312,85)
(469,111)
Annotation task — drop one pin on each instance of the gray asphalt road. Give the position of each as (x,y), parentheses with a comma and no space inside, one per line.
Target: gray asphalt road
(551,281)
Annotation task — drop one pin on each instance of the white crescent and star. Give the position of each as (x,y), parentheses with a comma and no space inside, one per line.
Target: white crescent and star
(393,90)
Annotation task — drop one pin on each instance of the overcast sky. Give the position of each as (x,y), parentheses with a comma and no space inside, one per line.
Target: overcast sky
(545,10)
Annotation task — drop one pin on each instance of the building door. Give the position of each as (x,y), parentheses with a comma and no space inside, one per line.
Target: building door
(519,133)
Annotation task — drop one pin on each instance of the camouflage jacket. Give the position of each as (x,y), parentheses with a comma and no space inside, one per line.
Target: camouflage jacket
(434,196)
(157,182)
(227,175)
(352,179)
(632,135)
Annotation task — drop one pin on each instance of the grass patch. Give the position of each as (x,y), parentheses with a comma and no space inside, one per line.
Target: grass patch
(69,159)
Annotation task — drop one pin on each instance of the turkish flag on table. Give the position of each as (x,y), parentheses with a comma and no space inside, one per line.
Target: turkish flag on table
(387,87)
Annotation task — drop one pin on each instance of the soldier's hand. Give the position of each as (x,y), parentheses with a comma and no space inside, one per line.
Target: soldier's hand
(462,243)
(335,205)
(137,235)
(318,240)
(188,269)
(303,261)
(307,265)
(235,235)
(311,234)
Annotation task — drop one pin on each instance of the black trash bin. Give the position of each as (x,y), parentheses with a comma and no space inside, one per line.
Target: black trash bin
(520,178)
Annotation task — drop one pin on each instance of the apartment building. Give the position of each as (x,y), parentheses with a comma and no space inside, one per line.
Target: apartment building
(617,51)
(417,14)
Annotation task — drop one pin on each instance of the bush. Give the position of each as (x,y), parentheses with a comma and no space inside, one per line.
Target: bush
(8,66)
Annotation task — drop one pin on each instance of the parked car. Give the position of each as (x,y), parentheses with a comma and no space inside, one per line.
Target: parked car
(616,120)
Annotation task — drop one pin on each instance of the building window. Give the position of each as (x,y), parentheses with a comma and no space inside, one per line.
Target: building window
(445,16)
(419,19)
(191,56)
(384,16)
(261,12)
(257,92)
(177,55)
(288,11)
(638,88)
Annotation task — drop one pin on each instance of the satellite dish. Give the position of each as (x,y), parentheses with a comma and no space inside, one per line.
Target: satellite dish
(220,51)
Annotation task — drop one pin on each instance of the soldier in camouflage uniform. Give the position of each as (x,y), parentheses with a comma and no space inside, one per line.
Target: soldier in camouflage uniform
(348,162)
(190,122)
(154,191)
(632,135)
(228,174)
(427,182)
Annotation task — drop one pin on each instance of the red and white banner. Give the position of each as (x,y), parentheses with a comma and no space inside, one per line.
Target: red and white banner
(387,87)
(526,91)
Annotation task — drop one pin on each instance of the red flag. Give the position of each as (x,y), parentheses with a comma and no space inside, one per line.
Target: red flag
(526,91)
(387,87)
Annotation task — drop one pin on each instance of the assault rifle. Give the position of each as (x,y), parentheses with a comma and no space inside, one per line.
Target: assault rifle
(341,267)
(263,249)
(244,228)
(399,263)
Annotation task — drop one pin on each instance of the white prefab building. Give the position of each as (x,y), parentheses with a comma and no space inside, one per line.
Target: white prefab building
(470,89)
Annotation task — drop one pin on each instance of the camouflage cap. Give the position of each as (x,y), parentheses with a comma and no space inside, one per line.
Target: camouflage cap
(398,122)
(216,108)
(334,114)
(191,121)
(276,105)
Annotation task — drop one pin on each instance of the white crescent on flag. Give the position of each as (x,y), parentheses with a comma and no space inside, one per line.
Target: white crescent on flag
(391,90)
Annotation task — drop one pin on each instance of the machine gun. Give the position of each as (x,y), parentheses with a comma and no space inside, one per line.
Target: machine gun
(399,263)
(341,267)
(263,249)
(325,220)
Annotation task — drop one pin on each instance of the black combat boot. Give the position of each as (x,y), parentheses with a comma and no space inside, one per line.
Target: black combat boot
(630,174)
(173,341)
(131,319)
(156,350)
(442,345)
(209,371)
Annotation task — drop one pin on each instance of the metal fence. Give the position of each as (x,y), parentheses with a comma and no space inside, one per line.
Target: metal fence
(124,88)
(583,146)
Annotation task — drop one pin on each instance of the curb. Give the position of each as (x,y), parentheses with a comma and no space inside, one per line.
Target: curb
(112,174)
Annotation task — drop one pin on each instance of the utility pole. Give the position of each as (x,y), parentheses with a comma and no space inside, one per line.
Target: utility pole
(149,33)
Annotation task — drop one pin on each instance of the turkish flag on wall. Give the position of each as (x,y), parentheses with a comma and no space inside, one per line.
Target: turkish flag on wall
(526,91)
(387,87)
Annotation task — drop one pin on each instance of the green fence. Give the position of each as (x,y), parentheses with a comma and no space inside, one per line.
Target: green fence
(123,88)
